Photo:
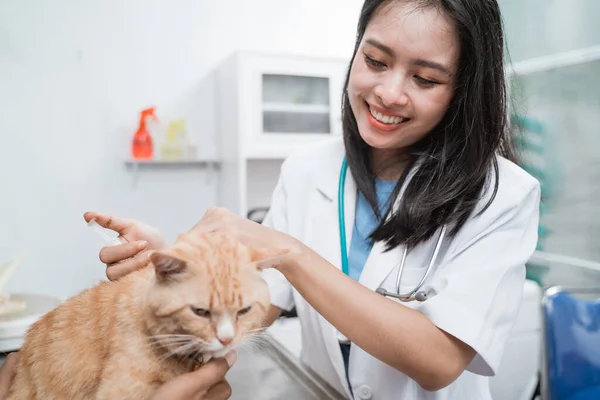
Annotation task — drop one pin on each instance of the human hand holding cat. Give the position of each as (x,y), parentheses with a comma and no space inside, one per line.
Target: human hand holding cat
(7,373)
(139,238)
(206,383)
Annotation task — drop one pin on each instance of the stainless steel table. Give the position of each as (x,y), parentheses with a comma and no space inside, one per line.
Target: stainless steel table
(273,373)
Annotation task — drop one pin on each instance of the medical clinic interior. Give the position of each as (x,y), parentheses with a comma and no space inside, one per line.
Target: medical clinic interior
(163,111)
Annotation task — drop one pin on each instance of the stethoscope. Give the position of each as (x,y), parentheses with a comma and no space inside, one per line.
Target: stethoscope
(417,293)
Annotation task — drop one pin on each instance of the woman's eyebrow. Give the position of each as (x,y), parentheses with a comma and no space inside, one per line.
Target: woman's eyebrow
(380,46)
(432,65)
(419,62)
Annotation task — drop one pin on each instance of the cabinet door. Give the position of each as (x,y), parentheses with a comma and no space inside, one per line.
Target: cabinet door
(291,102)
(295,104)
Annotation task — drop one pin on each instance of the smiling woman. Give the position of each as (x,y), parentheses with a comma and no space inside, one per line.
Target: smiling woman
(402,78)
(424,137)
(425,84)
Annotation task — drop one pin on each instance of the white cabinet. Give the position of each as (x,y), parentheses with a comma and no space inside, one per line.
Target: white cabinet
(267,107)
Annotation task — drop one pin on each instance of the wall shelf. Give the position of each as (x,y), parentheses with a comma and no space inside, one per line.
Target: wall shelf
(183,162)
(137,165)
(296,108)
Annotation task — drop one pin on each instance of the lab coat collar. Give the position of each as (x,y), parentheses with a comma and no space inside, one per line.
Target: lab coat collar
(328,177)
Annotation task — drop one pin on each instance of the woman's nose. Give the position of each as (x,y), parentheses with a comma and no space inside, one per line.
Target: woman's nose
(392,92)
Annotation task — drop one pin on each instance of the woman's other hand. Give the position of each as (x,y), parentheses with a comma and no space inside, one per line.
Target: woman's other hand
(7,373)
(206,383)
(249,233)
(137,237)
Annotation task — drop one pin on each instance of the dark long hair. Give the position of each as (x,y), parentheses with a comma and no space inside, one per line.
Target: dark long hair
(457,159)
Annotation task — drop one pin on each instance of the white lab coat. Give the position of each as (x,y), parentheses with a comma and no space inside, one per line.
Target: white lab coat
(476,289)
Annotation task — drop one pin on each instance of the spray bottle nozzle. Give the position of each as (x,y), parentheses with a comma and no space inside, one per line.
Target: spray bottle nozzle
(148,112)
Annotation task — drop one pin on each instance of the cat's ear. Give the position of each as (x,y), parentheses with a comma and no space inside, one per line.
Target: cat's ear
(263,257)
(166,265)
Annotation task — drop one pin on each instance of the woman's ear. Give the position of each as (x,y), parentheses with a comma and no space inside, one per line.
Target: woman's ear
(264,257)
(166,266)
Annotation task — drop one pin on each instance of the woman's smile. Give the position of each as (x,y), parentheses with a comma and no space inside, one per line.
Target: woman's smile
(383,120)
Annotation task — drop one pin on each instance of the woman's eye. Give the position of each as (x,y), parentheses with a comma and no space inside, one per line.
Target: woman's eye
(201,312)
(374,63)
(425,82)
(244,310)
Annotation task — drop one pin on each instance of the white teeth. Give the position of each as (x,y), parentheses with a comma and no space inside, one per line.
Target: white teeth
(386,119)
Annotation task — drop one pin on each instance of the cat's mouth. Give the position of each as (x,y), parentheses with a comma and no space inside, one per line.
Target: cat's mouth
(181,346)
(196,358)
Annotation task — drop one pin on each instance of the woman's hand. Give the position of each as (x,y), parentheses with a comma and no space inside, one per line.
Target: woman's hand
(206,383)
(7,373)
(138,239)
(249,233)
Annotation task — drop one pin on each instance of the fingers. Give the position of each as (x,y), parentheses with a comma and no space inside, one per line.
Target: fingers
(120,269)
(209,378)
(214,371)
(220,391)
(210,374)
(211,219)
(7,373)
(112,222)
(114,254)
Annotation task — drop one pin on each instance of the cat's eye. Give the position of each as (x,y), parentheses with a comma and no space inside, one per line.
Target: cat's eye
(244,310)
(201,312)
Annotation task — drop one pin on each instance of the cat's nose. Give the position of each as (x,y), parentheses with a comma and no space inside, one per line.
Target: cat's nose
(225,340)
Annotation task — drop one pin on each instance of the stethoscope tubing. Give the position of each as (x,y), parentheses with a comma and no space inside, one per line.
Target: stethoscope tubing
(416,293)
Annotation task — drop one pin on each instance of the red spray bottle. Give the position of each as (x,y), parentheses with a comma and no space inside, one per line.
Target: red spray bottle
(142,147)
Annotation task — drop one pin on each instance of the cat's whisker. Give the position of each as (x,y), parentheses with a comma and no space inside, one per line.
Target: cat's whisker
(248,343)
(168,341)
(179,351)
(256,345)
(163,340)
(262,329)
(166,345)
(250,347)
(256,336)
(172,335)
(178,345)
(173,339)
(256,341)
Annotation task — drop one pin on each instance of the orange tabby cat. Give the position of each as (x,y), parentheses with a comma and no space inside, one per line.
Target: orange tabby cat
(123,339)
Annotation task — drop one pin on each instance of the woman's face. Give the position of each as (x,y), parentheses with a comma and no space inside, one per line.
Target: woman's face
(402,78)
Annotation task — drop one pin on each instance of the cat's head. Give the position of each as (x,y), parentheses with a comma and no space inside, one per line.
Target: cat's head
(208,295)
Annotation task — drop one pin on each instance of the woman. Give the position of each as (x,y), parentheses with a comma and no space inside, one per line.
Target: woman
(427,147)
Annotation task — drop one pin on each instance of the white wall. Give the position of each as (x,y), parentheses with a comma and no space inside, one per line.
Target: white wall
(74,75)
